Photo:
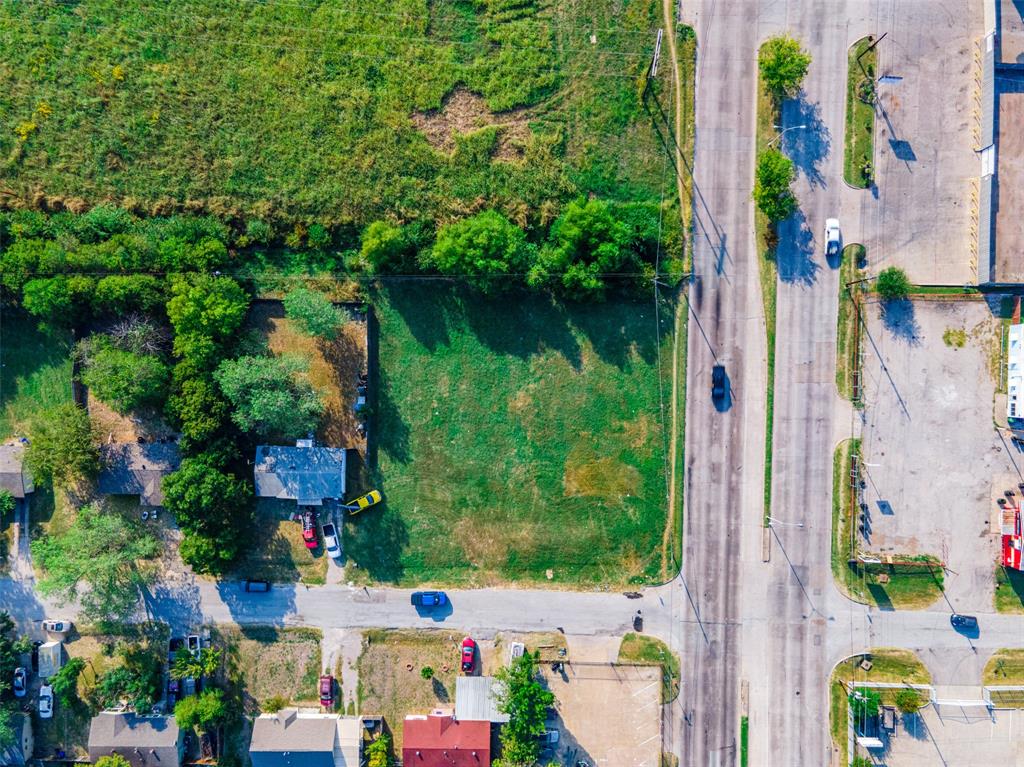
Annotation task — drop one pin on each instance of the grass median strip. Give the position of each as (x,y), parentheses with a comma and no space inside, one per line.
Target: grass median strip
(847,346)
(768,115)
(860,115)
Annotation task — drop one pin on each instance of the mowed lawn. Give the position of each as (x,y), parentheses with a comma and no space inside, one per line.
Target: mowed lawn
(519,439)
(35,371)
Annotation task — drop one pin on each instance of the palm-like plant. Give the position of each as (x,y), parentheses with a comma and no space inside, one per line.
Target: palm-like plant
(188,665)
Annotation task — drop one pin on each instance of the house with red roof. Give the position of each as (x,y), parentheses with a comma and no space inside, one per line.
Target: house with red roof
(441,740)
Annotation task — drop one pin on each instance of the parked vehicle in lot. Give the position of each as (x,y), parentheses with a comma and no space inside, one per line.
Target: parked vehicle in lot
(331,543)
(429,598)
(173,693)
(363,502)
(327,691)
(46,702)
(468,655)
(36,644)
(20,682)
(963,622)
(549,738)
(57,626)
(258,587)
(833,237)
(718,382)
(309,528)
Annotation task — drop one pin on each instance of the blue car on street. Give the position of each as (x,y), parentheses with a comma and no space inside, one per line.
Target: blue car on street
(429,598)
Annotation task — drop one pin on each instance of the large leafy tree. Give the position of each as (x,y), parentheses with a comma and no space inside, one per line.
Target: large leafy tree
(62,445)
(114,760)
(486,249)
(586,244)
(783,64)
(65,682)
(272,396)
(378,753)
(123,379)
(137,681)
(772,185)
(525,700)
(11,649)
(314,312)
(198,408)
(892,284)
(203,711)
(211,507)
(100,552)
(205,311)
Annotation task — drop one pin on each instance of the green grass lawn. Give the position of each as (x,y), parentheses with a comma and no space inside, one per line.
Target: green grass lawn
(637,648)
(846,349)
(1009,594)
(860,117)
(35,371)
(517,436)
(290,111)
(768,116)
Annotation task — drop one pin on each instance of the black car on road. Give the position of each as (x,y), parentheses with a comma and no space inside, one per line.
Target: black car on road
(718,382)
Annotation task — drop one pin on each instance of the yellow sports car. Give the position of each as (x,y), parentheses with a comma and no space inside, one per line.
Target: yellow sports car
(363,502)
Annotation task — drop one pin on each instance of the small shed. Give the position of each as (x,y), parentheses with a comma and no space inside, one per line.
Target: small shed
(14,475)
(476,699)
(51,658)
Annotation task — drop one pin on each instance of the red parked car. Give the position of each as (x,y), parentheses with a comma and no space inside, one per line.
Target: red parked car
(468,655)
(309,528)
(327,691)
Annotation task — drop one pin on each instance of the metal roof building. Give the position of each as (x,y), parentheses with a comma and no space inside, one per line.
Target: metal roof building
(476,700)
(306,474)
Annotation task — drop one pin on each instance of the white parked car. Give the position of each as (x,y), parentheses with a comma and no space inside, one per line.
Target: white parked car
(57,626)
(46,702)
(833,237)
(331,544)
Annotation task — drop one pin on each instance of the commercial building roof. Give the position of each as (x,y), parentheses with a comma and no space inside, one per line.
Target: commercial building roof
(476,700)
(14,476)
(145,741)
(441,740)
(293,739)
(1011,31)
(304,473)
(1009,217)
(134,468)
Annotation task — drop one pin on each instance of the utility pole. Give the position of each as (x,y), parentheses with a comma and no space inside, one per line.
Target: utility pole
(657,56)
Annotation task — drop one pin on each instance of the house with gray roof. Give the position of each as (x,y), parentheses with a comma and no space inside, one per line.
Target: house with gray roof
(306,473)
(145,741)
(291,738)
(137,468)
(476,700)
(14,475)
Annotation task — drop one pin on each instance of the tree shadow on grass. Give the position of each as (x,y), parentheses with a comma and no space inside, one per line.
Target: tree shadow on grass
(880,596)
(899,319)
(623,327)
(375,541)
(440,691)
(425,312)
(392,431)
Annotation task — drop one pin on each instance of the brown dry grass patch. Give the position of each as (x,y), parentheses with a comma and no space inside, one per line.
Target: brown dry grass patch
(114,427)
(270,662)
(464,112)
(600,477)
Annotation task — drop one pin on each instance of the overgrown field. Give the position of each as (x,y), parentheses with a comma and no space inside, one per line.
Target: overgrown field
(328,111)
(517,436)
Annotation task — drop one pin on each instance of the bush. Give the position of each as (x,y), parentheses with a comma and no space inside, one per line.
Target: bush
(124,380)
(65,682)
(486,249)
(783,65)
(7,503)
(59,301)
(271,396)
(198,409)
(273,704)
(62,445)
(772,185)
(318,237)
(114,760)
(385,247)
(314,313)
(427,672)
(908,700)
(378,753)
(892,284)
(259,232)
(121,294)
(203,711)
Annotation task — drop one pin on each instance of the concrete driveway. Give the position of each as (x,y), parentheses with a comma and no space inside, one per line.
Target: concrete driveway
(930,449)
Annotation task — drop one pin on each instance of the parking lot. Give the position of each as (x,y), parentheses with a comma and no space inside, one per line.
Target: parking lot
(608,715)
(947,735)
(930,450)
(919,217)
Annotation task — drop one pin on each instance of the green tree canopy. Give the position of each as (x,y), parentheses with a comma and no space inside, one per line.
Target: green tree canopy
(378,753)
(484,248)
(65,682)
(385,247)
(212,508)
(99,551)
(892,284)
(138,680)
(314,313)
(187,665)
(586,243)
(526,702)
(205,311)
(114,760)
(202,711)
(908,700)
(271,396)
(198,408)
(7,503)
(864,703)
(62,445)
(772,185)
(783,64)
(123,379)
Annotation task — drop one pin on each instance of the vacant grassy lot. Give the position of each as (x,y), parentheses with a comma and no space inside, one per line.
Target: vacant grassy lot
(517,436)
(277,552)
(637,648)
(328,110)
(887,665)
(390,683)
(1005,667)
(268,662)
(35,370)
(860,116)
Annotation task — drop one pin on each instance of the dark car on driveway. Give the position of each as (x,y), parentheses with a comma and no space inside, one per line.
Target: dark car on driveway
(718,382)
(256,586)
(429,598)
